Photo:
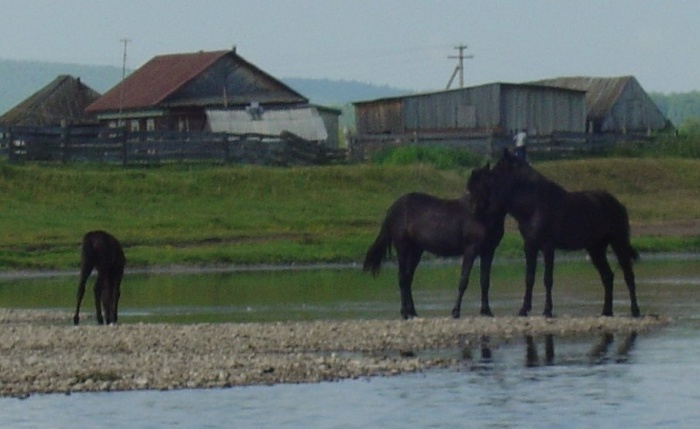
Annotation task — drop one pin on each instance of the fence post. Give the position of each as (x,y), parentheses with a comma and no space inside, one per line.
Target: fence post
(64,143)
(125,149)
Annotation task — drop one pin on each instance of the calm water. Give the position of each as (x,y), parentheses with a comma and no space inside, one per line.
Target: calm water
(652,380)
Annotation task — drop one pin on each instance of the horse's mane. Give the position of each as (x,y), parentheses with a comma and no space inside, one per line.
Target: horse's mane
(523,172)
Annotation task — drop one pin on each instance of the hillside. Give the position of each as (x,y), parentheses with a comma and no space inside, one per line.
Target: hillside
(20,79)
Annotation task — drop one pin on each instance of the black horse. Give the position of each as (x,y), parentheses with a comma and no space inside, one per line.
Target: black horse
(549,218)
(417,222)
(102,251)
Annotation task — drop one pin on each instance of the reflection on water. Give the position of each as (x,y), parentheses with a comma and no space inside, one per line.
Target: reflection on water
(598,380)
(541,351)
(531,382)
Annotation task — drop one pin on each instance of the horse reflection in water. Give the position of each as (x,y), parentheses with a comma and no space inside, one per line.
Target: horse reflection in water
(598,354)
(102,251)
(416,223)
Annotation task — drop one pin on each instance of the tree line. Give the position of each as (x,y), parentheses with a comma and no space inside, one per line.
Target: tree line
(682,109)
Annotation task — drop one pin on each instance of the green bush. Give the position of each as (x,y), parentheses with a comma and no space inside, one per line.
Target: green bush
(442,158)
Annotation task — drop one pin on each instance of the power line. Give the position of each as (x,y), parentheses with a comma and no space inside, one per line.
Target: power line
(460,65)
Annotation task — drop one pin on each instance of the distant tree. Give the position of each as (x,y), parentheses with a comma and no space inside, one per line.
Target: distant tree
(690,127)
(678,107)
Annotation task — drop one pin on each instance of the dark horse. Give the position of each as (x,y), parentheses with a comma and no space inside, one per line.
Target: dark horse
(549,218)
(416,223)
(102,251)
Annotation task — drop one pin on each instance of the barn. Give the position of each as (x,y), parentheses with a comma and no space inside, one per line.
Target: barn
(615,104)
(492,109)
(60,102)
(216,91)
(474,116)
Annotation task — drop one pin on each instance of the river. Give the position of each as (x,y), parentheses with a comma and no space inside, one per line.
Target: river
(598,380)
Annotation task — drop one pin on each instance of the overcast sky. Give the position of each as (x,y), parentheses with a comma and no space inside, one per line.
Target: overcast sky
(400,43)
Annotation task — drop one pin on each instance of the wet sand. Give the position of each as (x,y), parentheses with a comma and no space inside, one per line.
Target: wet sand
(40,352)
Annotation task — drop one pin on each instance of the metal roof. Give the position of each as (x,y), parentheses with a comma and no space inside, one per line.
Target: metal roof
(155,80)
(466,88)
(164,75)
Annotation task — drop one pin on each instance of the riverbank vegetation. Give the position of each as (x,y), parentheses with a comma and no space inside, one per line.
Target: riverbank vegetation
(213,215)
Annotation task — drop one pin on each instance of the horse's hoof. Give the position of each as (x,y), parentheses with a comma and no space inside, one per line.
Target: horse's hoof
(548,315)
(486,313)
(456,313)
(523,312)
(636,313)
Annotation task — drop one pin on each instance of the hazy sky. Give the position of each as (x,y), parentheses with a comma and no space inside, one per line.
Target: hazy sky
(400,43)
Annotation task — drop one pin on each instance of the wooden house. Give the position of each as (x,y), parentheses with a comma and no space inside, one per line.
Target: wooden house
(208,91)
(62,101)
(614,105)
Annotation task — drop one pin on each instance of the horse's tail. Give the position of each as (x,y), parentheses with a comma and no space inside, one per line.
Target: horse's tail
(379,250)
(624,248)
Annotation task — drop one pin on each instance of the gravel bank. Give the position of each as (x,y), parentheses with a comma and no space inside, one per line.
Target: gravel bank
(41,353)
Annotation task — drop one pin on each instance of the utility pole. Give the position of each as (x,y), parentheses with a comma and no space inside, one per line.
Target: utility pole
(460,65)
(125,41)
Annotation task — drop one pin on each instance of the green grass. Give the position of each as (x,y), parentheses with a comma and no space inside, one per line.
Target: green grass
(206,215)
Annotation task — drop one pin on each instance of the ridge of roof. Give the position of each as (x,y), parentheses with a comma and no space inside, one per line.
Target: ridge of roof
(156,80)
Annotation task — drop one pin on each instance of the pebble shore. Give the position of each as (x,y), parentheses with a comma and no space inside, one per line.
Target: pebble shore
(40,352)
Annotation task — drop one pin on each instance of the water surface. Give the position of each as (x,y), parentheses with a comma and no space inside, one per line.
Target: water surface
(597,380)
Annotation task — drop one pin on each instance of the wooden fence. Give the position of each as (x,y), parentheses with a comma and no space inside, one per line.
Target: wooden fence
(558,145)
(112,145)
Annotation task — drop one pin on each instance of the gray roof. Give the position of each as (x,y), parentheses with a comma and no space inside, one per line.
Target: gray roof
(64,98)
(601,92)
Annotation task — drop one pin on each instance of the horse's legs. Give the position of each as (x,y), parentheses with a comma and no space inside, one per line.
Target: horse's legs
(100,285)
(408,261)
(486,260)
(467,264)
(530,268)
(108,301)
(116,296)
(625,261)
(600,261)
(85,270)
(548,280)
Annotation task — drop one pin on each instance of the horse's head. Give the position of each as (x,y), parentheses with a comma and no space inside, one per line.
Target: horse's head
(492,187)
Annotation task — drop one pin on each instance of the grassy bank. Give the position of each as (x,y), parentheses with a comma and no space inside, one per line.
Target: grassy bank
(249,215)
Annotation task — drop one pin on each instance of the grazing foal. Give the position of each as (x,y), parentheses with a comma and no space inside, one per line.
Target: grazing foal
(102,251)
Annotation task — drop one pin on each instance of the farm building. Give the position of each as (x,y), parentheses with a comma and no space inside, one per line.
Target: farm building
(498,108)
(476,115)
(215,91)
(614,105)
(62,101)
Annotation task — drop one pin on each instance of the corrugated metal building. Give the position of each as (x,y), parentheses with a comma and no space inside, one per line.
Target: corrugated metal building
(614,105)
(495,109)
